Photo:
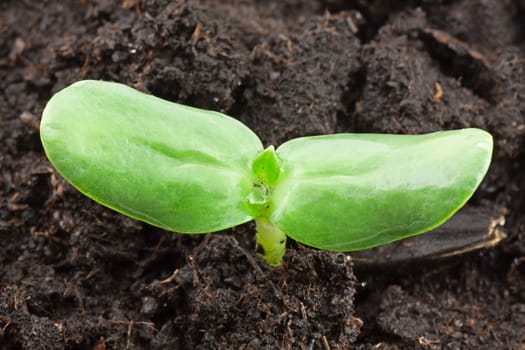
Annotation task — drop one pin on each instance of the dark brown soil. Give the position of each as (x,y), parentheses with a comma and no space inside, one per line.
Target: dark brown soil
(75,275)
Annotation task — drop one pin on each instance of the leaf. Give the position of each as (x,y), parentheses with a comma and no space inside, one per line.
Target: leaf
(347,192)
(176,167)
(266,167)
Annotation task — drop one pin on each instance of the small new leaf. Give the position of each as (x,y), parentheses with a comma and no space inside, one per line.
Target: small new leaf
(266,166)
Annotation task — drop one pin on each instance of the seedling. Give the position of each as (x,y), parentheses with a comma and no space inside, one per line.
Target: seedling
(194,171)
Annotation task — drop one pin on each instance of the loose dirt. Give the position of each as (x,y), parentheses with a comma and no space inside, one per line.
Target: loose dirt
(75,275)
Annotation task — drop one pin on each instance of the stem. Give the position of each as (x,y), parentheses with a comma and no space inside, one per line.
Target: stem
(272,241)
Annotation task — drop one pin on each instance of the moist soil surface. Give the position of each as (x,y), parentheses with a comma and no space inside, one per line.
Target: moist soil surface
(75,275)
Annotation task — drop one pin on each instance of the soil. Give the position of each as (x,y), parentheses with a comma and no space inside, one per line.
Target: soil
(75,275)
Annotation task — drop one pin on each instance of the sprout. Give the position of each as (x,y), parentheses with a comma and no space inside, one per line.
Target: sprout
(194,171)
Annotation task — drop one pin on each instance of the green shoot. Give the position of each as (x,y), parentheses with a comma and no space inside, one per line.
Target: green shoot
(194,171)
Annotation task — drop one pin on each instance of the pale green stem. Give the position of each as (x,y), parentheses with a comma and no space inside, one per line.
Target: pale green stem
(272,241)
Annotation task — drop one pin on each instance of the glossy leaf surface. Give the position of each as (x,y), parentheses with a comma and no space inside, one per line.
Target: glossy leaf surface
(176,167)
(347,192)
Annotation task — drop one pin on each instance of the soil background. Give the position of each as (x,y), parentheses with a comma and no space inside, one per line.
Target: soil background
(74,275)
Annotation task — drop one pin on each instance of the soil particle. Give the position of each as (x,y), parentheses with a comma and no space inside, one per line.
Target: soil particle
(280,307)
(298,80)
(405,88)
(488,25)
(438,319)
